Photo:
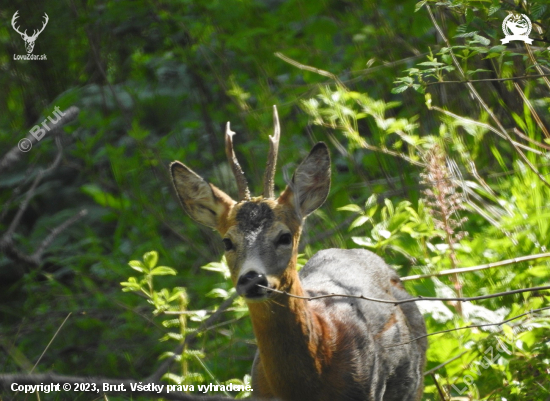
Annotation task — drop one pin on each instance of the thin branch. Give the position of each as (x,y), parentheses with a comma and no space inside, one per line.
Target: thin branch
(433,370)
(532,110)
(479,267)
(439,389)
(50,343)
(471,326)
(413,299)
(7,236)
(482,102)
(489,80)
(194,312)
(484,125)
(309,68)
(7,379)
(15,153)
(536,64)
(23,206)
(522,135)
(368,146)
(56,231)
(163,368)
(8,246)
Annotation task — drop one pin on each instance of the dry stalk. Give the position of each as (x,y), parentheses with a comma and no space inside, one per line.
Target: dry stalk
(444,204)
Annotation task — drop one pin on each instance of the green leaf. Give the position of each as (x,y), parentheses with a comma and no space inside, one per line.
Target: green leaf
(537,10)
(478,70)
(350,208)
(389,206)
(538,271)
(431,64)
(104,198)
(492,10)
(218,293)
(163,271)
(359,221)
(151,259)
(483,40)
(419,5)
(364,241)
(130,286)
(400,89)
(137,265)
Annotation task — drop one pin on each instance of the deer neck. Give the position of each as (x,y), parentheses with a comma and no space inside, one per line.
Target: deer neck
(292,338)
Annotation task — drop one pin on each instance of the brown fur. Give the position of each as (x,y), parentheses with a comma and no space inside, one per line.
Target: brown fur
(330,349)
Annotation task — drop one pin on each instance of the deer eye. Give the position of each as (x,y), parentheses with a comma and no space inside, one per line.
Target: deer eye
(284,239)
(227,244)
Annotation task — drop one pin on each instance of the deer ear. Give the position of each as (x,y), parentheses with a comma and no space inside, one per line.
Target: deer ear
(310,183)
(204,202)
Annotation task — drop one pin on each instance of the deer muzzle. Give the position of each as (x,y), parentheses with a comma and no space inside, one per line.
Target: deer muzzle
(247,285)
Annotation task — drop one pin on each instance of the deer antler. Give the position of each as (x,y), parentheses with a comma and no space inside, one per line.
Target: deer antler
(242,185)
(269,176)
(34,35)
(15,16)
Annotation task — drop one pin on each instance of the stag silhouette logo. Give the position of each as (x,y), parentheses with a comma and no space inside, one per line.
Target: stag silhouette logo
(516,27)
(29,40)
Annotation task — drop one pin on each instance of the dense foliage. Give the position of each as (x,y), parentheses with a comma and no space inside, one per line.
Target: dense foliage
(430,174)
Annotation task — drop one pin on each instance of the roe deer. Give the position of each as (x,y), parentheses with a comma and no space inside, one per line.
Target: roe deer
(326,349)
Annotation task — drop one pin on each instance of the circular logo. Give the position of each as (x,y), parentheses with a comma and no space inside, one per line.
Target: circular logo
(24,145)
(516,25)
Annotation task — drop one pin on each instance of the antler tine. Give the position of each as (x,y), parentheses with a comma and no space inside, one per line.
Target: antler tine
(242,185)
(13,21)
(36,32)
(269,177)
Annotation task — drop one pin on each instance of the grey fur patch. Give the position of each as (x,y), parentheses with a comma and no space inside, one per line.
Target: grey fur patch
(254,216)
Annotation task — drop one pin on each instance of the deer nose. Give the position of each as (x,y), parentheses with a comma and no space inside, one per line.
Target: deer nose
(246,285)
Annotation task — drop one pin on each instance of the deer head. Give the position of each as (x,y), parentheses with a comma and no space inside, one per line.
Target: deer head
(260,234)
(29,40)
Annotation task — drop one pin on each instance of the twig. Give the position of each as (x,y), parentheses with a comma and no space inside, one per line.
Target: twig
(479,267)
(14,154)
(48,346)
(163,368)
(484,125)
(522,135)
(471,326)
(532,110)
(56,231)
(23,205)
(8,246)
(482,102)
(439,389)
(7,379)
(537,65)
(309,68)
(6,240)
(433,370)
(193,312)
(413,299)
(489,80)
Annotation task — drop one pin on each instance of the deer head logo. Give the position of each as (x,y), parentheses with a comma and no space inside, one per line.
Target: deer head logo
(29,40)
